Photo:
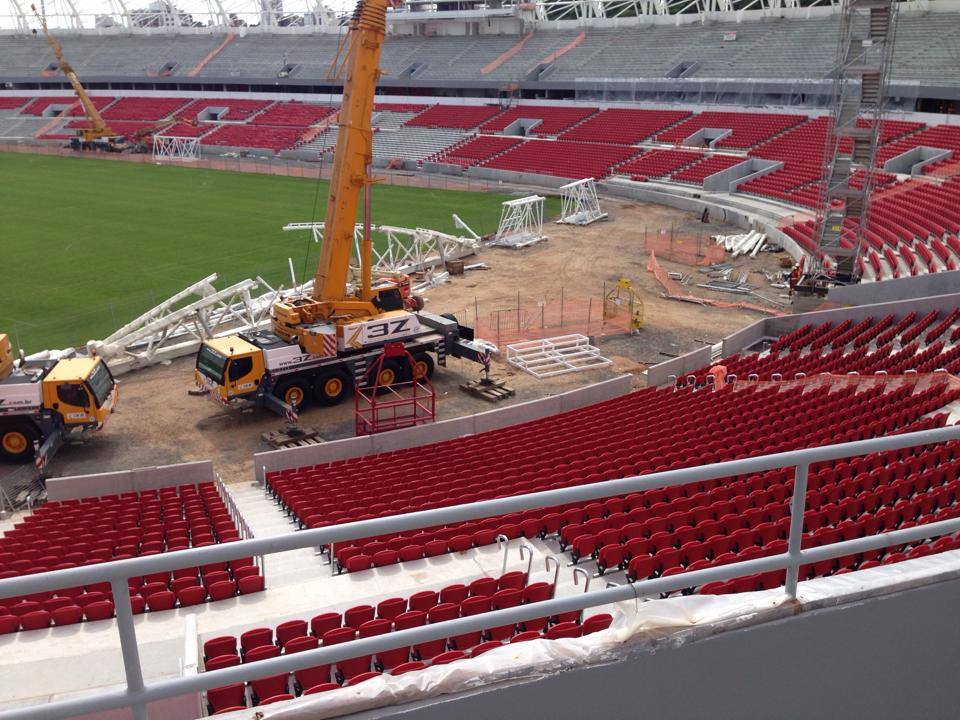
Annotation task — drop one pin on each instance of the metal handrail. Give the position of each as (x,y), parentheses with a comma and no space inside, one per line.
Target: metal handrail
(138,693)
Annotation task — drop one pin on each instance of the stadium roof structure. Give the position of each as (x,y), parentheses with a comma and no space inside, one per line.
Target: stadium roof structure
(205,16)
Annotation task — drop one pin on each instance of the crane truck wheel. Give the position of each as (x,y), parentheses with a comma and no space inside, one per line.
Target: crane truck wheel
(390,372)
(294,392)
(332,387)
(422,366)
(16,441)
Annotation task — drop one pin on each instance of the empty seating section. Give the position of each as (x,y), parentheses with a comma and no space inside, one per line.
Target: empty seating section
(186,129)
(144,108)
(748,129)
(399,107)
(121,127)
(476,150)
(293,114)
(624,126)
(458,117)
(12,102)
(36,107)
(237,110)
(696,173)
(255,136)
(553,119)
(658,163)
(944,137)
(71,533)
(562,158)
(396,613)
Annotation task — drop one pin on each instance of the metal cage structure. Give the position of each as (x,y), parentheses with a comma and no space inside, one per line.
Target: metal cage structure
(580,204)
(521,222)
(386,400)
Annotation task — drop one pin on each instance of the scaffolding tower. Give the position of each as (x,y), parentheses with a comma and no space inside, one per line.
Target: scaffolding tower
(864,54)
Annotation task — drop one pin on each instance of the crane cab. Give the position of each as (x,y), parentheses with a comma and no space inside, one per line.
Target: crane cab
(81,391)
(229,367)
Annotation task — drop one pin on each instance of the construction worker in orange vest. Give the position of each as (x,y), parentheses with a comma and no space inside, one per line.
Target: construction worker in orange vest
(719,373)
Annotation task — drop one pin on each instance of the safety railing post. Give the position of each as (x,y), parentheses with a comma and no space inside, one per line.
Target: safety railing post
(798,504)
(128,644)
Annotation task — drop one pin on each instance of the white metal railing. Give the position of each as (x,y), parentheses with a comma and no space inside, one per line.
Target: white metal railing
(137,694)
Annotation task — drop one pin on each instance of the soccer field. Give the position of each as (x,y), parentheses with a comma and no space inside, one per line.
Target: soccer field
(87,244)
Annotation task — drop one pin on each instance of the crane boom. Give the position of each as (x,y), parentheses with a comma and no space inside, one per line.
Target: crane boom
(354,151)
(98,127)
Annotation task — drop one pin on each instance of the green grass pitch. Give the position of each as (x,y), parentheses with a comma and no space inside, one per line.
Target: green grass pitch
(88,245)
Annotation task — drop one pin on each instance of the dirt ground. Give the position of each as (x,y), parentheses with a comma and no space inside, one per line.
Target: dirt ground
(158,423)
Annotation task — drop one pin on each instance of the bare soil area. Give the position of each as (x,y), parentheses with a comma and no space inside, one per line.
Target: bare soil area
(158,423)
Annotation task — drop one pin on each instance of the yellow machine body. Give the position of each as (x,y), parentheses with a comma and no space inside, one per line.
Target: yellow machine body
(232,367)
(6,356)
(81,390)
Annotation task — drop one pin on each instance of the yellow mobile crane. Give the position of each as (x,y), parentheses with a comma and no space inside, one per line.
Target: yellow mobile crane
(98,136)
(44,403)
(323,342)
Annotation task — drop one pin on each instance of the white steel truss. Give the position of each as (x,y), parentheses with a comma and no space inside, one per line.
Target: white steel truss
(521,222)
(556,356)
(170,147)
(580,204)
(172,330)
(403,250)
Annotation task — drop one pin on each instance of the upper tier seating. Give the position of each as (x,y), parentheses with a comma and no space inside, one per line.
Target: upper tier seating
(12,102)
(293,114)
(626,126)
(70,533)
(553,119)
(659,163)
(458,117)
(748,128)
(36,107)
(477,150)
(144,108)
(562,158)
(237,110)
(698,172)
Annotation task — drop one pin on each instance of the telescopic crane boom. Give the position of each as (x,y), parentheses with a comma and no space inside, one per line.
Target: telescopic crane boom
(351,177)
(98,127)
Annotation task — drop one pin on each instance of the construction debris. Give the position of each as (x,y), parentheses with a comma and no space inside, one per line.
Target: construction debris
(742,244)
(292,435)
(489,389)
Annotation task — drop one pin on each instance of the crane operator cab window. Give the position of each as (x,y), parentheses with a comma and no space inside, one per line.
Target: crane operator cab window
(73,394)
(211,363)
(100,383)
(240,367)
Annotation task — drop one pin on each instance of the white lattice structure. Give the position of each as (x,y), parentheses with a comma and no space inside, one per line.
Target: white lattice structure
(581,206)
(404,250)
(170,147)
(521,222)
(170,330)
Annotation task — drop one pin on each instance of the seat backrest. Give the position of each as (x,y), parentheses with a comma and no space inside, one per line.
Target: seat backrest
(456,593)
(356,616)
(255,638)
(442,612)
(289,630)
(391,607)
(510,597)
(339,635)
(423,600)
(320,624)
(222,661)
(262,653)
(475,605)
(379,626)
(299,644)
(410,619)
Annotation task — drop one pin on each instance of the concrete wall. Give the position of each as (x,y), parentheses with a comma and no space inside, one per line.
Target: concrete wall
(148,478)
(884,658)
(679,366)
(440,431)
(941,283)
(915,159)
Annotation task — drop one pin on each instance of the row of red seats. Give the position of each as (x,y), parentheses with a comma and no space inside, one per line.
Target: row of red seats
(458,117)
(554,119)
(748,129)
(476,150)
(293,114)
(659,163)
(698,172)
(624,126)
(237,110)
(255,136)
(562,158)
(144,108)
(36,107)
(483,595)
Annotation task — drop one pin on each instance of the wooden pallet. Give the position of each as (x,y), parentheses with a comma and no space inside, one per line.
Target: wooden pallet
(292,436)
(489,390)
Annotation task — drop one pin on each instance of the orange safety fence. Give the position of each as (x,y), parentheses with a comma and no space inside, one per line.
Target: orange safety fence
(675,292)
(684,249)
